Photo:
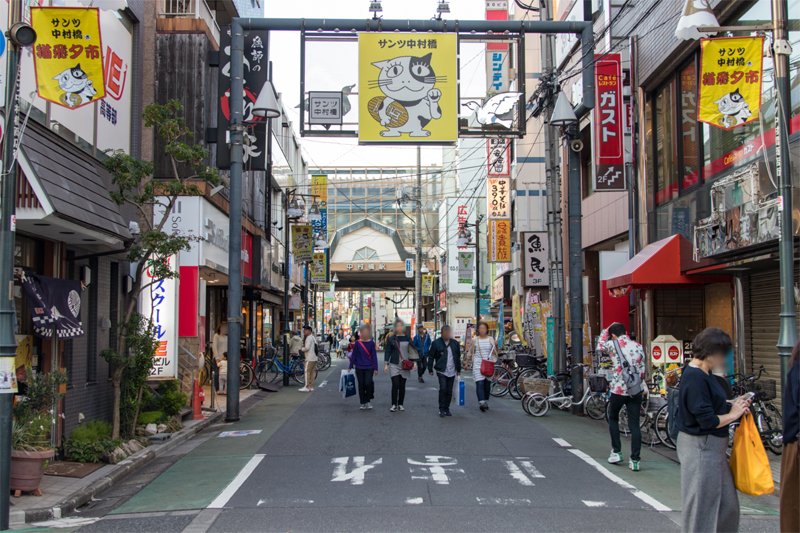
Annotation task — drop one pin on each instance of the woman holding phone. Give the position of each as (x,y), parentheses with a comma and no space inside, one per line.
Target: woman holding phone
(397,364)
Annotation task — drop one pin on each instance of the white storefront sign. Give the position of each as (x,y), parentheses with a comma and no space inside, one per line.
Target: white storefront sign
(159,302)
(537,266)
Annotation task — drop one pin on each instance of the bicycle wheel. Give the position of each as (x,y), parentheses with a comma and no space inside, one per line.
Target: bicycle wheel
(524,402)
(324,361)
(771,426)
(298,372)
(513,388)
(265,373)
(595,407)
(245,376)
(662,427)
(649,433)
(500,382)
(538,405)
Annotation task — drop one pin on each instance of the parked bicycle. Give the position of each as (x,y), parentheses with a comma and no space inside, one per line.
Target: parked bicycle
(268,370)
(766,414)
(537,404)
(246,374)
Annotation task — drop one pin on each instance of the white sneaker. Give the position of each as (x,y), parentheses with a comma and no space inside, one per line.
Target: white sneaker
(363,407)
(393,409)
(401,408)
(303,389)
(615,458)
(369,405)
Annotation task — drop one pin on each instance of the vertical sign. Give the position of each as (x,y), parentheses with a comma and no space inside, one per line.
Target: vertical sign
(319,267)
(499,241)
(537,271)
(302,244)
(608,124)
(409,268)
(255,78)
(498,157)
(466,267)
(498,71)
(498,198)
(427,285)
(159,303)
(68,55)
(319,191)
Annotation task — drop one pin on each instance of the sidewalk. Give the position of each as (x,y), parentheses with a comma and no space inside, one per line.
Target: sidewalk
(61,495)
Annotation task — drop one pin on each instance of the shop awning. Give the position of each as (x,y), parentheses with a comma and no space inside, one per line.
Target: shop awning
(658,264)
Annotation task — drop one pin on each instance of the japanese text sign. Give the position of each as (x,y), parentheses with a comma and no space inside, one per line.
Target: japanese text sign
(608,124)
(498,198)
(537,271)
(498,154)
(68,55)
(325,108)
(499,241)
(159,303)
(408,87)
(427,284)
(730,80)
(319,192)
(319,267)
(302,242)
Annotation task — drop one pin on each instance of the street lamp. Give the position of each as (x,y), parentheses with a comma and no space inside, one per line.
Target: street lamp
(335,278)
(463,240)
(375,8)
(442,8)
(266,105)
(314,214)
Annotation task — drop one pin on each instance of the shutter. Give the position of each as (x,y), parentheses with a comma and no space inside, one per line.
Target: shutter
(679,312)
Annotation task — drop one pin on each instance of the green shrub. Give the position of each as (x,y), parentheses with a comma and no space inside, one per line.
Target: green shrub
(91,431)
(151,417)
(150,400)
(172,400)
(88,451)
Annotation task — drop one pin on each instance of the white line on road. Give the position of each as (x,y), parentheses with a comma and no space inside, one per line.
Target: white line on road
(503,501)
(563,443)
(414,501)
(323,384)
(590,503)
(646,498)
(224,496)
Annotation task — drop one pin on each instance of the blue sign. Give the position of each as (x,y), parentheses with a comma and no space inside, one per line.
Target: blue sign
(409,268)
(2,43)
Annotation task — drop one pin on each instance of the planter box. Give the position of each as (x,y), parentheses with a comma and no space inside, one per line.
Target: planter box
(27,469)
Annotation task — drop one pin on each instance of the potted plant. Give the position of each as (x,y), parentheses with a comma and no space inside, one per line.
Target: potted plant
(31,446)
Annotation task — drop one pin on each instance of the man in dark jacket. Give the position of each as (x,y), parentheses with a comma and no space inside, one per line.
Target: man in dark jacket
(445,357)
(422,342)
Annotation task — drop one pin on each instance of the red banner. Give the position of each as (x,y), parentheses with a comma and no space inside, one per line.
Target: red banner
(609,124)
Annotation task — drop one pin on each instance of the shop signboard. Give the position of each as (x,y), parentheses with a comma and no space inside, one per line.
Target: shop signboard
(325,108)
(608,124)
(391,107)
(499,241)
(537,265)
(409,268)
(302,242)
(498,198)
(319,267)
(498,156)
(159,303)
(68,55)
(427,285)
(466,267)
(730,81)
(319,192)
(666,349)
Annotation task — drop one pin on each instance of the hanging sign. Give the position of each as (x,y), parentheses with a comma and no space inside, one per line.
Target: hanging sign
(68,55)
(409,268)
(325,108)
(466,267)
(498,156)
(159,303)
(608,124)
(498,198)
(408,87)
(319,191)
(302,243)
(319,267)
(499,241)
(427,284)
(537,271)
(730,80)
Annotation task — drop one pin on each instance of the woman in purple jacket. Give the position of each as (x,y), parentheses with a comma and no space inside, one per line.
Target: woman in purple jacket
(365,361)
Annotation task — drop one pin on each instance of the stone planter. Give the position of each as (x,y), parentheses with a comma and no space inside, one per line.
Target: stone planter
(27,469)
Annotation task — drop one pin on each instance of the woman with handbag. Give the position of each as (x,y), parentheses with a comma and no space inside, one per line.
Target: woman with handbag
(398,364)
(484,356)
(710,502)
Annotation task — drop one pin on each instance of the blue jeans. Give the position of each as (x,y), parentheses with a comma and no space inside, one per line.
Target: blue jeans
(483,387)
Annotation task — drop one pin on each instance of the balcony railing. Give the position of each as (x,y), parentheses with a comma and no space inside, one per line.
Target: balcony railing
(196,9)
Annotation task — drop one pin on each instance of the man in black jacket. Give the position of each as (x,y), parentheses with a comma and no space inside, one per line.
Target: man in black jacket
(445,357)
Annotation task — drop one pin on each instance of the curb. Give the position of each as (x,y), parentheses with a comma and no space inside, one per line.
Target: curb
(123,469)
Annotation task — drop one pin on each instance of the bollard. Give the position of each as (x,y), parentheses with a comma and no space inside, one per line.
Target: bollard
(197,401)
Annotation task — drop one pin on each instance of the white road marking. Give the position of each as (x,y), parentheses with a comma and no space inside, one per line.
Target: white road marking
(414,501)
(435,467)
(227,493)
(527,465)
(646,498)
(563,443)
(289,502)
(323,384)
(590,503)
(503,501)
(521,469)
(72,521)
(359,472)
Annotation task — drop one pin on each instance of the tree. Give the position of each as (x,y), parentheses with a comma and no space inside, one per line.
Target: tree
(152,199)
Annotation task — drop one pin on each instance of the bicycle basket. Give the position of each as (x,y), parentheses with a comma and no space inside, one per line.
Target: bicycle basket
(598,383)
(526,360)
(765,389)
(537,385)
(507,355)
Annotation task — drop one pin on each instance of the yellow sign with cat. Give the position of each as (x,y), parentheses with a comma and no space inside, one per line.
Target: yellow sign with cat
(730,81)
(408,88)
(68,55)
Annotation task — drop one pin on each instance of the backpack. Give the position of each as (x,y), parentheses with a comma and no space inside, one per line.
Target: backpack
(630,375)
(673,396)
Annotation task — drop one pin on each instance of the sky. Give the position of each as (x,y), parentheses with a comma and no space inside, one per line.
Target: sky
(329,66)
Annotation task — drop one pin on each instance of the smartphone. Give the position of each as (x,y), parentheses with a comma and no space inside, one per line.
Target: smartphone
(749,396)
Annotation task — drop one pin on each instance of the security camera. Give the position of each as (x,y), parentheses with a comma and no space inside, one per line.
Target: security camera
(576,145)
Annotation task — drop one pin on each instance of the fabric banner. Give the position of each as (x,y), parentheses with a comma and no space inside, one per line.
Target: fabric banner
(499,241)
(427,284)
(498,198)
(466,267)
(408,87)
(730,80)
(319,192)
(302,242)
(68,55)
(319,267)
(55,305)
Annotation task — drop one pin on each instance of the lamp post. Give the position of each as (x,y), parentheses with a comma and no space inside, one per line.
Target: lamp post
(464,240)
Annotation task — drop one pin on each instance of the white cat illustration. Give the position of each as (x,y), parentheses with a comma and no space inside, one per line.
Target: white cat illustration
(78,88)
(734,108)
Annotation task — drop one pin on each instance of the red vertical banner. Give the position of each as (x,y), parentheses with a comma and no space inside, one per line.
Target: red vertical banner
(609,124)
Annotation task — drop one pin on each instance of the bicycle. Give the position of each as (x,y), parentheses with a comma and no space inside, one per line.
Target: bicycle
(268,370)
(766,415)
(246,374)
(536,404)
(323,360)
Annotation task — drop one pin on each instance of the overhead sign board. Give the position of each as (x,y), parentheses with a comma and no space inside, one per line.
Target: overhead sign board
(325,108)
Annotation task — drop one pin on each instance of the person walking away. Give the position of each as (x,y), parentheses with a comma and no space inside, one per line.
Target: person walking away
(627,389)
(710,502)
(219,346)
(223,373)
(790,462)
(483,347)
(295,344)
(309,351)
(422,342)
(397,364)
(365,361)
(445,358)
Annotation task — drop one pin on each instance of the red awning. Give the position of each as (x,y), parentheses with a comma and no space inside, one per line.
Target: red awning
(657,264)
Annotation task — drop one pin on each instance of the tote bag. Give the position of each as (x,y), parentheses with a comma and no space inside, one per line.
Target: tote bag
(749,463)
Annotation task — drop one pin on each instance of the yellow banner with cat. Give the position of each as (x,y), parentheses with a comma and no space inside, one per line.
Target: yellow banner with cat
(730,81)
(68,55)
(407,88)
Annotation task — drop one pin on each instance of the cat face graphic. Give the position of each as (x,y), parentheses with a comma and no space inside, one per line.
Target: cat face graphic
(73,79)
(406,78)
(731,103)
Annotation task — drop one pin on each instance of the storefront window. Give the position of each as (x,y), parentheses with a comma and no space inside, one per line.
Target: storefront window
(690,160)
(666,175)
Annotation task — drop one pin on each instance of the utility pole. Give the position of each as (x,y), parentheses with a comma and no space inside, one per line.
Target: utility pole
(287,325)
(478,271)
(781,48)
(8,343)
(418,240)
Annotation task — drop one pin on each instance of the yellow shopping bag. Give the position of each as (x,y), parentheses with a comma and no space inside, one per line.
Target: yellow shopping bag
(749,463)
